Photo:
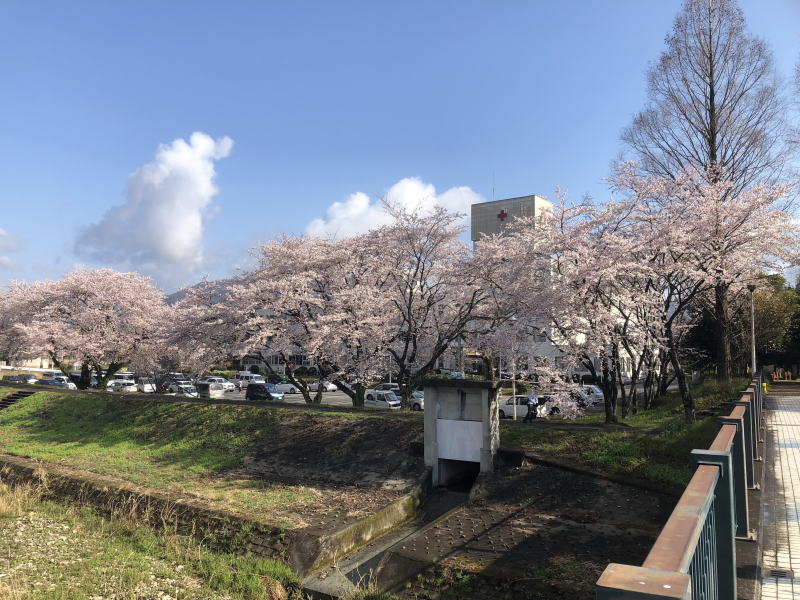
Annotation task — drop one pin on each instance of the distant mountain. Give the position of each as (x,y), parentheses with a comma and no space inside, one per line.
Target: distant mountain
(219,284)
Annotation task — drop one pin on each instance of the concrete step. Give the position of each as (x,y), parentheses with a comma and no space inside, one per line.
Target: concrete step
(357,569)
(14,398)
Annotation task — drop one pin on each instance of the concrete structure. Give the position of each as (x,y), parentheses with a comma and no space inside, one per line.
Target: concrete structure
(462,428)
(492,217)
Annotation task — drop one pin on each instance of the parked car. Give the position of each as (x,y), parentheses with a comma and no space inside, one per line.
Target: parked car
(286,387)
(263,391)
(506,408)
(245,378)
(417,401)
(226,385)
(592,395)
(66,381)
(122,385)
(209,389)
(547,408)
(176,385)
(187,390)
(394,387)
(28,378)
(52,382)
(12,379)
(146,385)
(381,399)
(76,376)
(327,386)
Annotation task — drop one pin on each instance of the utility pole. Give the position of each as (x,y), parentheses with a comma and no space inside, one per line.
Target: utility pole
(752,289)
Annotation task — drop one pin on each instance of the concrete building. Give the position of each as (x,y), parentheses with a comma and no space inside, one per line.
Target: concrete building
(488,218)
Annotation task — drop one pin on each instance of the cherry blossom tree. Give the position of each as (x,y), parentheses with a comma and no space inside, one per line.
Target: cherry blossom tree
(11,343)
(205,329)
(613,282)
(435,289)
(563,273)
(397,296)
(308,296)
(695,244)
(101,319)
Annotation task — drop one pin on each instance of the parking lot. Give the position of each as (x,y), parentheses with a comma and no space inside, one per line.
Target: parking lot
(332,398)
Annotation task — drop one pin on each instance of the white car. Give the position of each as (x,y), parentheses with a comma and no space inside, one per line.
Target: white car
(592,394)
(176,385)
(327,386)
(226,385)
(381,399)
(506,408)
(66,381)
(186,389)
(243,379)
(285,387)
(146,385)
(417,401)
(392,387)
(122,385)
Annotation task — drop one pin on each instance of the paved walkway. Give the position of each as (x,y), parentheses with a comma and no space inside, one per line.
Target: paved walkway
(781,502)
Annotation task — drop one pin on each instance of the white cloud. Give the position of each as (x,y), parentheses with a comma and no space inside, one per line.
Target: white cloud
(158,230)
(7,244)
(7,241)
(358,214)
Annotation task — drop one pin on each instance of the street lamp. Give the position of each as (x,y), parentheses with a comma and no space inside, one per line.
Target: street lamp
(752,289)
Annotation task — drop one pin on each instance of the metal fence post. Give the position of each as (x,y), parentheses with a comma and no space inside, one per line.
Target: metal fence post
(626,582)
(748,440)
(757,409)
(749,394)
(739,478)
(762,419)
(724,508)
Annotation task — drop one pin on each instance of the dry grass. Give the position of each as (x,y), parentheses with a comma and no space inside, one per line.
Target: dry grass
(17,500)
(54,551)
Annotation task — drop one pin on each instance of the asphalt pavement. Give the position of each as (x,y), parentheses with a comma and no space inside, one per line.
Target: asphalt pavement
(332,398)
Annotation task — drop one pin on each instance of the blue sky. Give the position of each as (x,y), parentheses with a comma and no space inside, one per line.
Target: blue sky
(321,101)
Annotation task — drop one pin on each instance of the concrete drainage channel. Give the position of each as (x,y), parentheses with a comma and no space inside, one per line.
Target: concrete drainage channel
(379,562)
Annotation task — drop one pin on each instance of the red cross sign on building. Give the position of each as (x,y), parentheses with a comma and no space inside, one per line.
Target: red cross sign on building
(502,215)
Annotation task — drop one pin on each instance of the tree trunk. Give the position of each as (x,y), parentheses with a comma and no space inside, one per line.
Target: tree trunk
(683,386)
(488,364)
(663,379)
(609,393)
(355,392)
(102,380)
(85,381)
(722,332)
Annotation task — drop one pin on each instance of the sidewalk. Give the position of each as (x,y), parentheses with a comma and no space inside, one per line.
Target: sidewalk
(780,543)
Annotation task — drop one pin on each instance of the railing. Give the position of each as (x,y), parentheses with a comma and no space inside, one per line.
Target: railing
(694,557)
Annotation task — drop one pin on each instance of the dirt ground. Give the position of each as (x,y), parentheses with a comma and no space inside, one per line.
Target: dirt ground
(537,533)
(354,466)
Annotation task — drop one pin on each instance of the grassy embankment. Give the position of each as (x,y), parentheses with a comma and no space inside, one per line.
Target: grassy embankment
(652,445)
(61,552)
(175,447)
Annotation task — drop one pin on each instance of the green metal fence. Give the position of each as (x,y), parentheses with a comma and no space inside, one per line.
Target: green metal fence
(694,557)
